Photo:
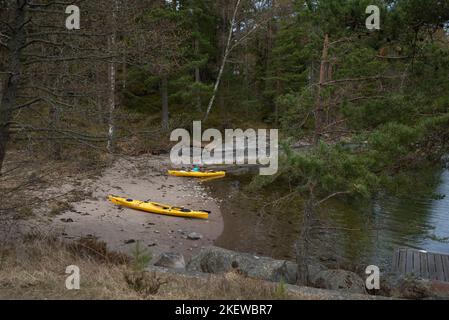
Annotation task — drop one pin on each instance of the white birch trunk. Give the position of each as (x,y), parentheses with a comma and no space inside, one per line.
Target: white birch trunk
(225,58)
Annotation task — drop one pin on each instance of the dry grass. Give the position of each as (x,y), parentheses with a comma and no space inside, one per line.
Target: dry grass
(230,286)
(35,269)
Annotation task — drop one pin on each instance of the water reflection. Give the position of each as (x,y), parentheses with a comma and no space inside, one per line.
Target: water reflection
(439,219)
(364,233)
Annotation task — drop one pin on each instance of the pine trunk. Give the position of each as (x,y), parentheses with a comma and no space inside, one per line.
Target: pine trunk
(112,81)
(319,104)
(303,243)
(197,75)
(164,95)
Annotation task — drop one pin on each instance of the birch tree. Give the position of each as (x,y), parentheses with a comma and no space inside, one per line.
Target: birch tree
(225,58)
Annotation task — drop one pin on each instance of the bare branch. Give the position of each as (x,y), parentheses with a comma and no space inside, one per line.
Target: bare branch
(333,195)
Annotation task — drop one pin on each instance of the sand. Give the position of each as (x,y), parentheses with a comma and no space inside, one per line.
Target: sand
(142,178)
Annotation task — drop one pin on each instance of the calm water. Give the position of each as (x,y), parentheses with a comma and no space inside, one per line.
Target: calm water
(361,234)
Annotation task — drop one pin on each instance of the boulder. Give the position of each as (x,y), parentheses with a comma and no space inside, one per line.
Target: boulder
(405,287)
(218,260)
(338,280)
(171,260)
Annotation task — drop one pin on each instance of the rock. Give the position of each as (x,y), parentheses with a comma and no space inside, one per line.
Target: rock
(69,220)
(330,261)
(218,260)
(194,236)
(338,280)
(405,287)
(171,260)
(130,241)
(440,289)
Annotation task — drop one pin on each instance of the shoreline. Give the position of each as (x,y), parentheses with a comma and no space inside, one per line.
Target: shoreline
(142,178)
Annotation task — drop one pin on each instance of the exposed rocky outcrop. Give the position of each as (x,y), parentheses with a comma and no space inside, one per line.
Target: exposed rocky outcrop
(214,260)
(293,291)
(218,260)
(338,280)
(399,286)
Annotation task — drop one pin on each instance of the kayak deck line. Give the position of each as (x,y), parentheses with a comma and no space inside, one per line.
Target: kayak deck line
(159,208)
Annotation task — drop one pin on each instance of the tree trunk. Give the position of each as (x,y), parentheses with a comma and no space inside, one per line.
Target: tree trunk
(11,83)
(197,75)
(303,243)
(99,91)
(278,92)
(164,95)
(55,145)
(225,58)
(112,80)
(7,100)
(319,104)
(124,71)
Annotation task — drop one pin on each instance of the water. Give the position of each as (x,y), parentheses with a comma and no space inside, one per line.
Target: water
(357,234)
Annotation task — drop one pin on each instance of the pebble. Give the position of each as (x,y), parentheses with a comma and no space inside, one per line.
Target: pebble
(194,236)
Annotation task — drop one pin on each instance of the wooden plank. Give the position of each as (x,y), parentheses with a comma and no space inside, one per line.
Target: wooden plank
(424,265)
(439,267)
(416,263)
(432,267)
(395,263)
(402,261)
(409,263)
(446,268)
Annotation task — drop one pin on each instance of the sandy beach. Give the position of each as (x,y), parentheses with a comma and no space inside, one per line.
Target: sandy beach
(142,178)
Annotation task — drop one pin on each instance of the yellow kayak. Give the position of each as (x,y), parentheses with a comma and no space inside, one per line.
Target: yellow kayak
(210,174)
(158,208)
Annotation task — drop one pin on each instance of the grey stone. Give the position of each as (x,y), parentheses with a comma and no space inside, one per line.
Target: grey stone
(171,260)
(405,287)
(218,260)
(194,236)
(305,293)
(338,280)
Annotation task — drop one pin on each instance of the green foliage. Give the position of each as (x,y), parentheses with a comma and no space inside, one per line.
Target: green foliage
(326,169)
(280,291)
(388,89)
(141,258)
